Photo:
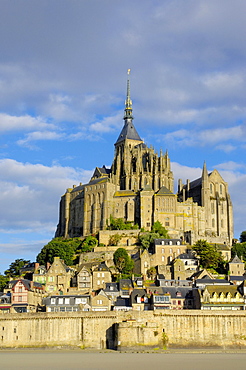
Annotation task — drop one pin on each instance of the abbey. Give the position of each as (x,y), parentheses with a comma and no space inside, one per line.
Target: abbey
(139,187)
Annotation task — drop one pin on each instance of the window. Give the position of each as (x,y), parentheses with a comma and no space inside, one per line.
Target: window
(98,282)
(102,274)
(67,300)
(166,223)
(162,250)
(20,289)
(163,258)
(80,300)
(170,242)
(99,301)
(20,298)
(170,251)
(60,300)
(212,208)
(162,299)
(52,301)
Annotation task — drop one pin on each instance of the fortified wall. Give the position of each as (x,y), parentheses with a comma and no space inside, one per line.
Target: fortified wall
(121,330)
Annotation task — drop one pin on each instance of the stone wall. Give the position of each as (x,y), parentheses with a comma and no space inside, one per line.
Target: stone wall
(119,330)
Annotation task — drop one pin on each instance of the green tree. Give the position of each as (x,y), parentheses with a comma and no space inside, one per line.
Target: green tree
(88,244)
(151,272)
(120,224)
(210,257)
(243,237)
(122,261)
(239,249)
(3,282)
(59,247)
(159,229)
(15,267)
(114,239)
(146,240)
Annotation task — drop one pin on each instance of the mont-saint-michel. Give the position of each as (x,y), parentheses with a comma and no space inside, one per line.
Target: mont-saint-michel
(132,264)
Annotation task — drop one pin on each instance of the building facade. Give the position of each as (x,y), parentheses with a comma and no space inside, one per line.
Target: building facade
(139,187)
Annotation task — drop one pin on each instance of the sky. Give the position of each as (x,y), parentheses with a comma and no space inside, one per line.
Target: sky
(63,72)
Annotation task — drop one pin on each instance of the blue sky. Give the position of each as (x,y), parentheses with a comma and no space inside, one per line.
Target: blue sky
(63,77)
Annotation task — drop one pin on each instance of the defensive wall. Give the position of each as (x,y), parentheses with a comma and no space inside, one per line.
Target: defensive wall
(124,330)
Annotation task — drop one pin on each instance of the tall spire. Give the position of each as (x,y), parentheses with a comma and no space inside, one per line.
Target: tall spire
(128,131)
(128,102)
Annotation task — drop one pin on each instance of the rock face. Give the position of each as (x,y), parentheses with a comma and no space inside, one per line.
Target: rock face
(139,188)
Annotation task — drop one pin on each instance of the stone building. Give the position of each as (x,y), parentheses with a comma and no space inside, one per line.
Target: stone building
(139,187)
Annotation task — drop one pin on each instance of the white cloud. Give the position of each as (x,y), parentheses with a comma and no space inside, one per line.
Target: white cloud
(210,137)
(39,135)
(107,124)
(22,123)
(30,194)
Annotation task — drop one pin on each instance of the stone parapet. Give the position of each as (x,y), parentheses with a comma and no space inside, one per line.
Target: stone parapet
(148,329)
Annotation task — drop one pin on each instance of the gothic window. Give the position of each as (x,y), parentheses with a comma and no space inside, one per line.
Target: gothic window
(212,208)
(213,223)
(220,189)
(134,164)
(211,188)
(222,208)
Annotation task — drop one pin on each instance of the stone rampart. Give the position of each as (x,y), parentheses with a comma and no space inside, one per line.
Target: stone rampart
(120,330)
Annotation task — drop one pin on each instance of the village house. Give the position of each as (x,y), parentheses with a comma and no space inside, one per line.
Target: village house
(67,303)
(26,295)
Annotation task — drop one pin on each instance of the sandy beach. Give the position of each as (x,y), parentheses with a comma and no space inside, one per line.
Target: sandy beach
(74,359)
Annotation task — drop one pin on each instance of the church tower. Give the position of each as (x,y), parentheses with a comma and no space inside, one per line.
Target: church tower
(127,139)
(136,166)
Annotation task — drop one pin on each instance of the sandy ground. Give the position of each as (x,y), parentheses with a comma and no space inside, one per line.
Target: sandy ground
(75,359)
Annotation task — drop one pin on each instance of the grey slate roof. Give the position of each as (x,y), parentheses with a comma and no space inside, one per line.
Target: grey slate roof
(236,259)
(128,132)
(122,302)
(164,191)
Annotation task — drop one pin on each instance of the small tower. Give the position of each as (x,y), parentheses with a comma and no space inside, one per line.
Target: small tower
(236,267)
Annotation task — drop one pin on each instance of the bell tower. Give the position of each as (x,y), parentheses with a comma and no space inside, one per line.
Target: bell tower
(127,139)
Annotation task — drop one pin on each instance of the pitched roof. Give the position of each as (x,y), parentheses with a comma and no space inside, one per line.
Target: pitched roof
(128,132)
(164,191)
(236,259)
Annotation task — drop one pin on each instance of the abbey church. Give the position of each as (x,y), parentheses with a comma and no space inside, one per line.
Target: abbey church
(139,188)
